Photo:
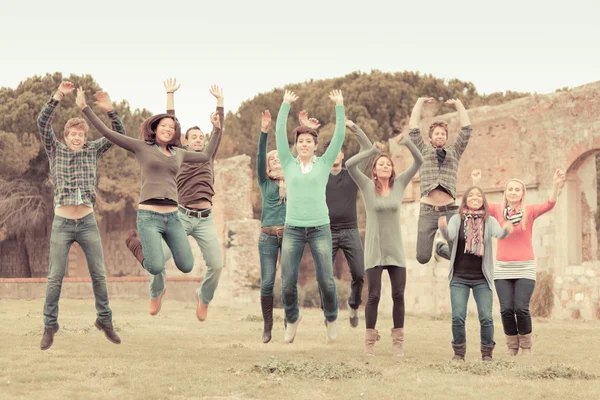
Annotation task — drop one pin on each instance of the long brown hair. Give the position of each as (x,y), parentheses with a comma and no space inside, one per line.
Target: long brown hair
(462,210)
(148,130)
(378,184)
(523,208)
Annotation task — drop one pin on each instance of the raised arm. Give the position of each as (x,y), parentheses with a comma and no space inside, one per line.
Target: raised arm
(465,131)
(283,148)
(558,181)
(363,141)
(103,101)
(171,87)
(44,120)
(340,128)
(353,165)
(217,132)
(415,120)
(261,156)
(120,140)
(405,177)
(209,153)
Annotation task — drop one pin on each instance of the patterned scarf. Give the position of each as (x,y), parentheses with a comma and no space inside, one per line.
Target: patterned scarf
(473,228)
(514,216)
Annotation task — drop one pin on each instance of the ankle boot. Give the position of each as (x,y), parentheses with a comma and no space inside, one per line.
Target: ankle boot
(266,304)
(459,351)
(398,342)
(512,344)
(134,245)
(48,337)
(525,345)
(486,352)
(371,336)
(109,331)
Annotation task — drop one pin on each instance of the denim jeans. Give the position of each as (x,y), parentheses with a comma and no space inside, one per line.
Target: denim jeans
(85,232)
(459,296)
(348,240)
(514,296)
(427,227)
(153,228)
(292,248)
(268,250)
(205,233)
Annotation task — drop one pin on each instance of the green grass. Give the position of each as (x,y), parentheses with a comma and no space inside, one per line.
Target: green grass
(173,356)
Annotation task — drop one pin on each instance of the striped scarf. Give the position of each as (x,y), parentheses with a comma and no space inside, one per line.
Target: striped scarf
(514,216)
(473,228)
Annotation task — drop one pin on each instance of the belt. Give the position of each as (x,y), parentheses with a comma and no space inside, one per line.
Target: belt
(447,207)
(273,230)
(195,213)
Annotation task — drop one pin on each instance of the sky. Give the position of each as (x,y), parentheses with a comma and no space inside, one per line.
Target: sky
(130,47)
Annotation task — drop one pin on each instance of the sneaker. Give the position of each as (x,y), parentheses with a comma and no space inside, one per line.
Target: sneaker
(201,309)
(290,330)
(332,332)
(353,317)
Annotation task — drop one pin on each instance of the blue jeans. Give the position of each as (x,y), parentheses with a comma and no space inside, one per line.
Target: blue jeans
(153,228)
(205,233)
(268,249)
(348,240)
(85,232)
(292,248)
(459,296)
(427,227)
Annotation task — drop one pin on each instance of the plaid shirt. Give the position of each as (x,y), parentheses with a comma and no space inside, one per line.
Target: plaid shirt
(73,173)
(432,173)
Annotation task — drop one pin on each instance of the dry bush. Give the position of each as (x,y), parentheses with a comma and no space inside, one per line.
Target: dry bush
(542,301)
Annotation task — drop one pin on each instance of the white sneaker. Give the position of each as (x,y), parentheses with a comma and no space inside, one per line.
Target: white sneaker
(332,332)
(290,331)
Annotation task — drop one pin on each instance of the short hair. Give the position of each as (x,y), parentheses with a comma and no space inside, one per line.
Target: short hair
(195,127)
(76,123)
(436,124)
(304,129)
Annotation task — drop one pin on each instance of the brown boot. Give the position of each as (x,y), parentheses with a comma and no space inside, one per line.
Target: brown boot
(109,331)
(266,305)
(48,337)
(201,309)
(398,342)
(525,344)
(486,352)
(156,304)
(459,351)
(134,245)
(512,343)
(371,336)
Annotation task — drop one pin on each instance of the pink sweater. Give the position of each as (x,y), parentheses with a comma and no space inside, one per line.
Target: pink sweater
(518,245)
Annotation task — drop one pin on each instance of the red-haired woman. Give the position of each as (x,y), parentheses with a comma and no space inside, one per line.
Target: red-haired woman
(382,195)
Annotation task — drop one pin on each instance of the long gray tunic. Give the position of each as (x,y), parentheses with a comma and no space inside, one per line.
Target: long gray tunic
(383,239)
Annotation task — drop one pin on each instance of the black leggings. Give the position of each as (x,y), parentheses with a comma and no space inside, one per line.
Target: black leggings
(398,280)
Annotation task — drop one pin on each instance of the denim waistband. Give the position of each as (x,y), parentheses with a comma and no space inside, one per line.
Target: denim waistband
(88,218)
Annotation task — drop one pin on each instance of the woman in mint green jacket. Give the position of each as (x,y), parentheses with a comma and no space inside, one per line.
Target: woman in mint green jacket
(307,215)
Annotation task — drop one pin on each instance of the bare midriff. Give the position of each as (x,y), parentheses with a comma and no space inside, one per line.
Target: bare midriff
(158,209)
(73,212)
(437,197)
(201,205)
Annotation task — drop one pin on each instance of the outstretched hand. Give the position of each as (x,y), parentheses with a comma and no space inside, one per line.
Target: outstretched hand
(289,97)
(66,87)
(349,123)
(380,146)
(80,99)
(426,100)
(171,85)
(215,120)
(103,101)
(400,139)
(311,123)
(559,178)
(265,121)
(455,102)
(217,92)
(337,97)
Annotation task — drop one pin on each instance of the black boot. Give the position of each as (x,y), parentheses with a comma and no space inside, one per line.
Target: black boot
(109,331)
(266,304)
(48,337)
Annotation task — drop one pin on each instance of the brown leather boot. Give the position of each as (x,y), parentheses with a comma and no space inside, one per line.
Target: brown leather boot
(486,352)
(371,336)
(266,305)
(156,304)
(398,342)
(201,309)
(48,337)
(109,331)
(525,344)
(459,352)
(134,245)
(512,343)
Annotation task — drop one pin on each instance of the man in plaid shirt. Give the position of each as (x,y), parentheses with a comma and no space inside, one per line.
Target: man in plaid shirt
(73,174)
(438,175)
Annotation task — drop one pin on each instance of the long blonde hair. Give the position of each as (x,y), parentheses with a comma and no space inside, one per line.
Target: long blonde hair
(282,189)
(523,208)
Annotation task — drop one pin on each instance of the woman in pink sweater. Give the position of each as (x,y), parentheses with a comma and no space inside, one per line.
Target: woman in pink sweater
(515,269)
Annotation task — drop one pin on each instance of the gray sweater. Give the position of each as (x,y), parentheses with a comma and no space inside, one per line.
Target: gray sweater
(491,229)
(383,239)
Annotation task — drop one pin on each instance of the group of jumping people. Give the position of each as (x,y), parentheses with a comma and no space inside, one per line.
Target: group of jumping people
(306,199)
